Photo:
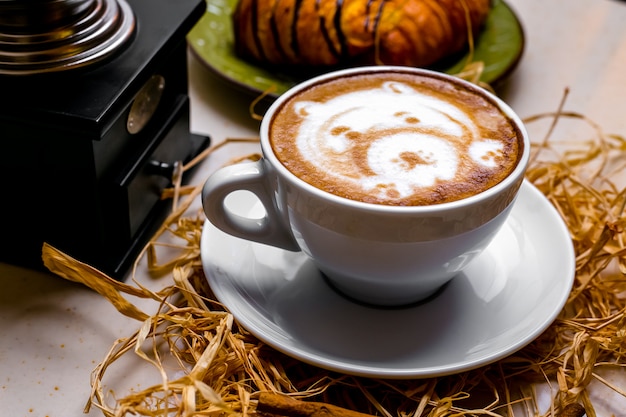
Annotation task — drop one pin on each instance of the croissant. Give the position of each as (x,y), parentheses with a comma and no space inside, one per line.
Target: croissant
(335,32)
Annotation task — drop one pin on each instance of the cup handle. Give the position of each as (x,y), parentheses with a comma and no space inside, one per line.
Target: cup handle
(270,229)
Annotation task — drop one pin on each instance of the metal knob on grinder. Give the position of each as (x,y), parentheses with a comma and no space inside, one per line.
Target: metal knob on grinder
(55,35)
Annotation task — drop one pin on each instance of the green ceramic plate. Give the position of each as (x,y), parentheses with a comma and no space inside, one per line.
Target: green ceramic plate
(499,47)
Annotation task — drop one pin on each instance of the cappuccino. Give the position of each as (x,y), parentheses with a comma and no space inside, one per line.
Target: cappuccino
(395,138)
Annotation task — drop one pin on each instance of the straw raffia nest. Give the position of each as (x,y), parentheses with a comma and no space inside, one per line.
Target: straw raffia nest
(223,369)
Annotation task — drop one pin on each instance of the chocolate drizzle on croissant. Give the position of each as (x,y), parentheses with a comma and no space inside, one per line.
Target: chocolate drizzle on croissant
(335,32)
(337,24)
(294,23)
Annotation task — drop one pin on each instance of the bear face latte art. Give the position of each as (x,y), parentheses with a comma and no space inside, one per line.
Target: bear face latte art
(395,138)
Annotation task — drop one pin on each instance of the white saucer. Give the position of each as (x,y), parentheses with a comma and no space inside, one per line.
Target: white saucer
(505,299)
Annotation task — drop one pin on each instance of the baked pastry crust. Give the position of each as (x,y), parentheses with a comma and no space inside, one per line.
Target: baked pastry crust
(335,32)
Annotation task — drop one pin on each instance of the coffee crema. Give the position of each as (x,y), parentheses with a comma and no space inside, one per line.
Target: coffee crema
(395,138)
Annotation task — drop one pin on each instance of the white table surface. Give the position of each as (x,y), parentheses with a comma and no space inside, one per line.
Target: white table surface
(53,333)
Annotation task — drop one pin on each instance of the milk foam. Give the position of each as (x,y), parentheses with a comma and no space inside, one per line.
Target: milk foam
(392,140)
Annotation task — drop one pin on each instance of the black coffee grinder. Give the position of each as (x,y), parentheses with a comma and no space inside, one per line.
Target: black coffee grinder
(94,116)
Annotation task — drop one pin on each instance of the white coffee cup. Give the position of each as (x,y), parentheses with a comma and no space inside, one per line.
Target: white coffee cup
(385,255)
